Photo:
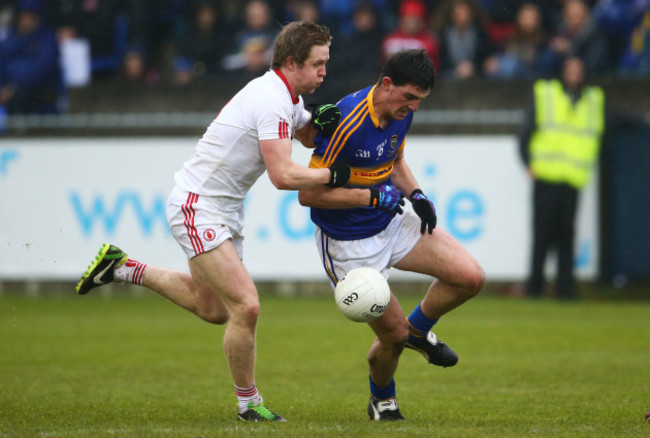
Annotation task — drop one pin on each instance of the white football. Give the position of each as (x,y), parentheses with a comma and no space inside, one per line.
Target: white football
(362,295)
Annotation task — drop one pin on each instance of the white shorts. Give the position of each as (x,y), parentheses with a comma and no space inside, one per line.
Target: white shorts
(201,223)
(381,251)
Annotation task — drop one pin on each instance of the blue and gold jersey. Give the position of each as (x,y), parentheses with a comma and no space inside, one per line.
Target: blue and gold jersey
(370,150)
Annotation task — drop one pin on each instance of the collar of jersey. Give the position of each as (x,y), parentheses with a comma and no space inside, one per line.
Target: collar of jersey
(277,71)
(371,108)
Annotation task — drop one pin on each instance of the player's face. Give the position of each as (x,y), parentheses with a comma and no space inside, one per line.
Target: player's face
(310,75)
(404,99)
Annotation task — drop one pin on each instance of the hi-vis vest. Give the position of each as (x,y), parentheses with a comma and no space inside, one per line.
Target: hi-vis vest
(566,142)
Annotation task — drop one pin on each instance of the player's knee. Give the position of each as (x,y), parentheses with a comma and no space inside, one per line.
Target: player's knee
(394,345)
(473,281)
(396,339)
(400,340)
(248,311)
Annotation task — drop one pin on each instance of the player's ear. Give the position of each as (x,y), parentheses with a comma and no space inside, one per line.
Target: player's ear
(291,63)
(386,82)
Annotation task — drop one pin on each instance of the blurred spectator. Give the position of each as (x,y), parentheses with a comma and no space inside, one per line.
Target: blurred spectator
(616,19)
(412,33)
(30,77)
(553,11)
(98,22)
(135,70)
(337,14)
(258,25)
(464,44)
(636,58)
(206,43)
(76,64)
(134,67)
(255,59)
(359,52)
(302,10)
(231,10)
(278,10)
(579,36)
(500,18)
(559,143)
(6,12)
(153,26)
(500,11)
(525,54)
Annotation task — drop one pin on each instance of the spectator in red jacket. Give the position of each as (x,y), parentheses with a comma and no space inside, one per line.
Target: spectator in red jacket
(412,32)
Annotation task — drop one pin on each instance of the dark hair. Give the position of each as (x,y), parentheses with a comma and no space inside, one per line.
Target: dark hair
(296,39)
(410,67)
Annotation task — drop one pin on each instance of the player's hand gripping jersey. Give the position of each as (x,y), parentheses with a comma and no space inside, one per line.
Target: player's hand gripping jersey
(370,151)
(227,160)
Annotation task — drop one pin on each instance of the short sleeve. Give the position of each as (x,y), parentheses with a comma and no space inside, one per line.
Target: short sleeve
(273,118)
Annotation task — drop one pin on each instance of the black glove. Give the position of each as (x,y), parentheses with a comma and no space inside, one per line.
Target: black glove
(388,198)
(340,173)
(424,208)
(325,118)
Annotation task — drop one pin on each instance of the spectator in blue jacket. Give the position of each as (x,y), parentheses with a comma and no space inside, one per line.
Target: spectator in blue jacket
(30,77)
(636,58)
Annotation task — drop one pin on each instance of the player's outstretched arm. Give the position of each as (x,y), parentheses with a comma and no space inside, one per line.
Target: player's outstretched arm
(324,197)
(285,174)
(387,198)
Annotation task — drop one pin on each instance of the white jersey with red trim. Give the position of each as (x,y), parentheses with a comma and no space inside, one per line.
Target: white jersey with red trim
(227,160)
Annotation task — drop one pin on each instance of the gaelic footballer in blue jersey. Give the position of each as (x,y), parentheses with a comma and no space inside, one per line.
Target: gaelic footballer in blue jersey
(363,223)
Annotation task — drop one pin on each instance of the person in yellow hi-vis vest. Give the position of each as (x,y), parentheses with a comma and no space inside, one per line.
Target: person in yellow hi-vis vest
(559,142)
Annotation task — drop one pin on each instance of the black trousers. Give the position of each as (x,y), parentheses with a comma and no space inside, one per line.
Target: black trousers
(554,213)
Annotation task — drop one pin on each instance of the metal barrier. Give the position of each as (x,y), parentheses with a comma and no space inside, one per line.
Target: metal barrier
(35,122)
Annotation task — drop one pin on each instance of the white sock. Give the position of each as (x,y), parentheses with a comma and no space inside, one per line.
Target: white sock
(132,271)
(246,396)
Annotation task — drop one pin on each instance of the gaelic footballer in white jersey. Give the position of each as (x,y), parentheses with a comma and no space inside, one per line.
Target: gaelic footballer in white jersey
(251,134)
(227,160)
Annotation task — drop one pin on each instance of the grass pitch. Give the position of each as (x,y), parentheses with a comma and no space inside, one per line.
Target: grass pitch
(137,366)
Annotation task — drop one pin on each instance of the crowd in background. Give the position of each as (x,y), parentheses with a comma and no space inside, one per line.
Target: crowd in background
(47,46)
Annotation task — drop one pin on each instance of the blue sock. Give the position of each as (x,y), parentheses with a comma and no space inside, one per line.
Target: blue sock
(382,393)
(419,323)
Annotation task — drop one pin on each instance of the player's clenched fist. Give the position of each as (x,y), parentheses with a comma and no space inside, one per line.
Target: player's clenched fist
(339,173)
(424,208)
(388,198)
(325,118)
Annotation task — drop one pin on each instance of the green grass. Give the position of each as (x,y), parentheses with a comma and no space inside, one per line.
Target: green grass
(136,366)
